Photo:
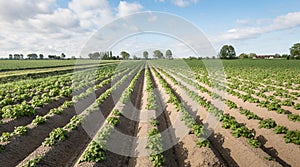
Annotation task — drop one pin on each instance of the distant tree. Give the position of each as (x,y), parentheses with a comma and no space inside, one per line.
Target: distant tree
(243,56)
(169,54)
(192,58)
(125,55)
(284,55)
(53,57)
(251,55)
(41,56)
(21,56)
(134,57)
(227,52)
(17,56)
(145,54)
(32,56)
(295,51)
(10,56)
(158,54)
(110,54)
(277,55)
(94,56)
(63,55)
(105,55)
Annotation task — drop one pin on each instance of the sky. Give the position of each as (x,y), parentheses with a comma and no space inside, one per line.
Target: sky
(67,26)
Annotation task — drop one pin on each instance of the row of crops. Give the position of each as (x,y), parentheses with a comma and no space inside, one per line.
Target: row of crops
(194,116)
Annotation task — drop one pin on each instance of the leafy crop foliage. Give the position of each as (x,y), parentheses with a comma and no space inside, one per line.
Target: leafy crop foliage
(17,111)
(267,123)
(57,134)
(94,153)
(114,121)
(280,130)
(155,145)
(202,142)
(39,120)
(33,162)
(292,136)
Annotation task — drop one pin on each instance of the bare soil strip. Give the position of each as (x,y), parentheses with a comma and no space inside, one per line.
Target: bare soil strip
(127,126)
(188,154)
(142,131)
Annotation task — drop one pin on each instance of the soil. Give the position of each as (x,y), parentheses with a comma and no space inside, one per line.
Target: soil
(274,145)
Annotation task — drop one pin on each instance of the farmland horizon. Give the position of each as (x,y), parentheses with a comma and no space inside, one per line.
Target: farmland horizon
(149,83)
(259,32)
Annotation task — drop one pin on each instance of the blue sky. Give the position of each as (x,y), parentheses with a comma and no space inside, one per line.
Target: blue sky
(55,26)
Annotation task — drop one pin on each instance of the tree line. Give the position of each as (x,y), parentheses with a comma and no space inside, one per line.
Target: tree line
(228,52)
(34,56)
(124,55)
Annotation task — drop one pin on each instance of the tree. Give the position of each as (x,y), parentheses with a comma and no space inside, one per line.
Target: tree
(95,55)
(110,54)
(125,55)
(227,52)
(63,55)
(134,57)
(295,51)
(284,55)
(158,54)
(251,55)
(277,55)
(169,54)
(32,56)
(53,57)
(17,56)
(41,56)
(10,56)
(145,54)
(243,56)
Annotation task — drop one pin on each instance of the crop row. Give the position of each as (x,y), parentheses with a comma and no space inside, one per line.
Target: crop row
(95,151)
(195,128)
(291,136)
(6,136)
(228,122)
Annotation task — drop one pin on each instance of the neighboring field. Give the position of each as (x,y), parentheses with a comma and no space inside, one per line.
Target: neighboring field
(6,65)
(45,119)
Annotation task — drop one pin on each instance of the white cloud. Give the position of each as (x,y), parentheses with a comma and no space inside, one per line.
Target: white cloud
(60,18)
(126,8)
(181,3)
(42,26)
(287,21)
(13,10)
(92,13)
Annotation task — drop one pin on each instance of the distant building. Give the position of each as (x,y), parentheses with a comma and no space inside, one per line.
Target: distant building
(263,57)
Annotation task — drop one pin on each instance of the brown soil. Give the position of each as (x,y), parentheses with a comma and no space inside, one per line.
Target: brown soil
(187,153)
(20,147)
(9,124)
(142,131)
(273,144)
(127,126)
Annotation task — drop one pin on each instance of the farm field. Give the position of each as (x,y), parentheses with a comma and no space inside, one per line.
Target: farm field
(177,112)
(10,65)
